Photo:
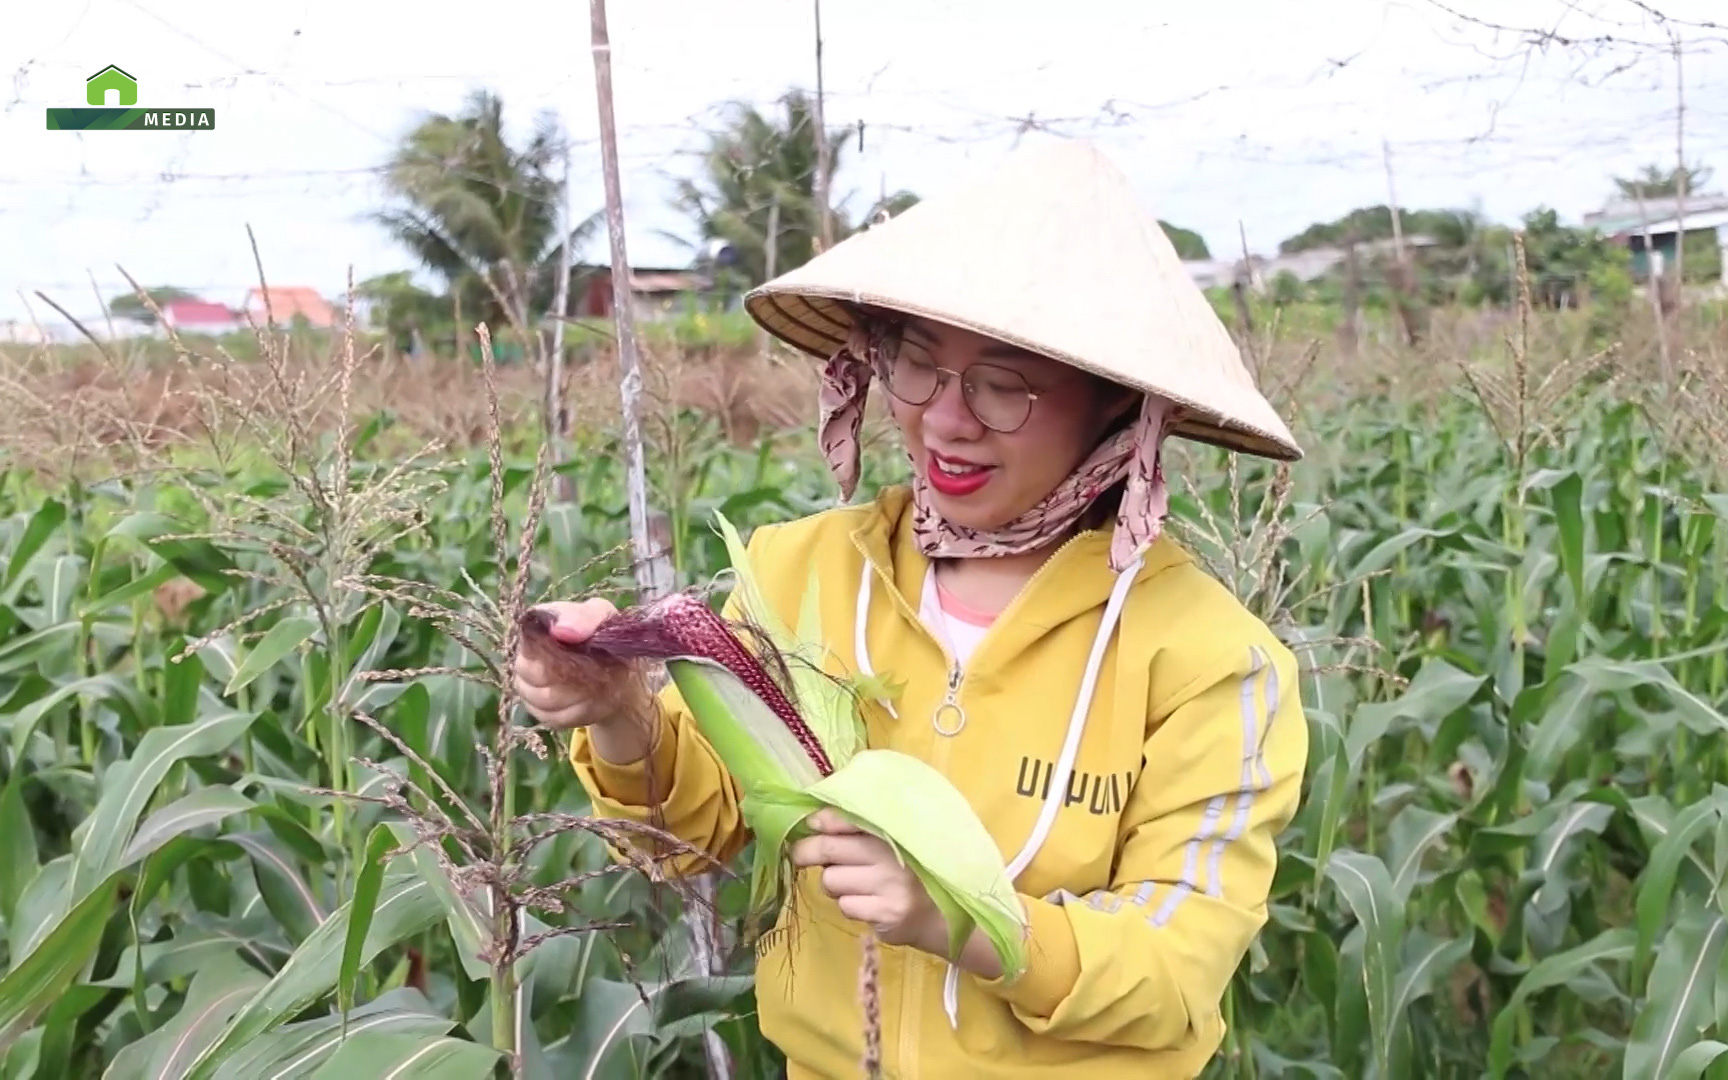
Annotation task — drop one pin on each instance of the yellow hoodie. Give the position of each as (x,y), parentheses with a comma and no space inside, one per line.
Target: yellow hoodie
(1150,882)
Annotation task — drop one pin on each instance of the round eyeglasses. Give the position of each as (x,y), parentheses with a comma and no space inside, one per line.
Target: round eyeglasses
(999,397)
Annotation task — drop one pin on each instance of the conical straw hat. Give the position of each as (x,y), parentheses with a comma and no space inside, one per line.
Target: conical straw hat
(1052,252)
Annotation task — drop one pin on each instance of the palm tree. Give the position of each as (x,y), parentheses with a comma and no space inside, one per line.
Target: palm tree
(759,177)
(1658,182)
(481,214)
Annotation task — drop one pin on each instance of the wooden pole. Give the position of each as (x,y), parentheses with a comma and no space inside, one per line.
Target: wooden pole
(825,219)
(1682,179)
(653,567)
(648,562)
(770,258)
(1392,200)
(557,409)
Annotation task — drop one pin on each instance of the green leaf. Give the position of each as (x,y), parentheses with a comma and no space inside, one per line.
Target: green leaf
(205,806)
(101,839)
(34,983)
(1692,1062)
(122,595)
(957,861)
(219,990)
(467,921)
(1656,885)
(405,908)
(279,641)
(295,1051)
(33,650)
(287,895)
(197,559)
(1558,970)
(1681,992)
(107,688)
(1366,887)
(43,523)
(17,844)
(361,909)
(395,1056)
(1438,690)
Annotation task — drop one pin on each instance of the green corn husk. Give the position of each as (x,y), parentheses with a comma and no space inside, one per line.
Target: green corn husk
(888,794)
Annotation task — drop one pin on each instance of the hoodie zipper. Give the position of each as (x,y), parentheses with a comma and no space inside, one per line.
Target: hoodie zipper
(912,984)
(950,707)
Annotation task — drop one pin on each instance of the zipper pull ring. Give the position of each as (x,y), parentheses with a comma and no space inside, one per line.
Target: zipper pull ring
(949,719)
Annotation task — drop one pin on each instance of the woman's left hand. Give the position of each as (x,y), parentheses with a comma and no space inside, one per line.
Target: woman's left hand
(862,875)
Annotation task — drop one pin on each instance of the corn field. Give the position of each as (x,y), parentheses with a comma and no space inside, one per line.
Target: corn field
(268,809)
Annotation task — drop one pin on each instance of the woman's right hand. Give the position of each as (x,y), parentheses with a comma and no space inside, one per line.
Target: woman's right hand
(553,699)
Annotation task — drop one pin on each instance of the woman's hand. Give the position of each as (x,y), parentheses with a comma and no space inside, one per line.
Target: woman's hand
(862,875)
(551,687)
(564,691)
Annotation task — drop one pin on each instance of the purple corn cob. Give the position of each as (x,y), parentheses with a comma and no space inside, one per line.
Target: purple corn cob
(683,626)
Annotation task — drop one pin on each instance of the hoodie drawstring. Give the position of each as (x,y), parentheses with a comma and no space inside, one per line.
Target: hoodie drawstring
(1070,744)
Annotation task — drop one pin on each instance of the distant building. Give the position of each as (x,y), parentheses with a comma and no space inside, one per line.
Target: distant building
(200,317)
(1626,222)
(657,291)
(1259,271)
(1211,273)
(287,303)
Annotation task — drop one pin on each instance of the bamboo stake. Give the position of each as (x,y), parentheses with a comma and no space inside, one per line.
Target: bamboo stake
(653,568)
(1681,177)
(557,412)
(825,219)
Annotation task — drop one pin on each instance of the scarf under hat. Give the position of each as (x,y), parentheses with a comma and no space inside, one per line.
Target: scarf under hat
(1133,454)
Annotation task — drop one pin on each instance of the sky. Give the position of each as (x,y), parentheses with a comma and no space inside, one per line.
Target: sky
(1246,120)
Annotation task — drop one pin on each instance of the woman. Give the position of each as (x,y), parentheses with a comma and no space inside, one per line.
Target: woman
(1131,736)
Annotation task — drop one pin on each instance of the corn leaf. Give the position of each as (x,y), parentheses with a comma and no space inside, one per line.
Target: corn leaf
(894,796)
(754,744)
(826,703)
(751,603)
(937,835)
(914,808)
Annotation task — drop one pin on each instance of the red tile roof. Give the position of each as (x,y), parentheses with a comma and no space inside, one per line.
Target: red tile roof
(195,313)
(285,302)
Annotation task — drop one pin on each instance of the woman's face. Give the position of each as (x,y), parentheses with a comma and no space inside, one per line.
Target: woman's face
(983,478)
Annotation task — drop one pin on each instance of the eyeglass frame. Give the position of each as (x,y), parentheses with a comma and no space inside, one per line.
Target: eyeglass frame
(889,353)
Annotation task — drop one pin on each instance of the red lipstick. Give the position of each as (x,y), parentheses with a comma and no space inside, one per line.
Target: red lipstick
(955,485)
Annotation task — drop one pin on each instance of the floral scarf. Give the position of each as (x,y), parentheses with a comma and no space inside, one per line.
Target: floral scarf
(1133,453)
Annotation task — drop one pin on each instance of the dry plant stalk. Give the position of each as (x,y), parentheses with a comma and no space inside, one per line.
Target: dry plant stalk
(495,845)
(1246,552)
(1524,411)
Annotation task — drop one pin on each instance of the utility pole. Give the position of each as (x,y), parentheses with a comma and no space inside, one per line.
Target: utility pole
(825,220)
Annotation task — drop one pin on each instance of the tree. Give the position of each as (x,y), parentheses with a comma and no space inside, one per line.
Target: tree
(130,306)
(1371,223)
(403,309)
(1657,182)
(1190,245)
(1565,263)
(482,214)
(759,177)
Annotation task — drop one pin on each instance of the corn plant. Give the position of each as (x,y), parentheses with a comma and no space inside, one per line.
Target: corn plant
(266,809)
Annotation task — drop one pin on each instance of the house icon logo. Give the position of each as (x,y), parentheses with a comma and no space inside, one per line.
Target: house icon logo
(111,104)
(96,88)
